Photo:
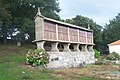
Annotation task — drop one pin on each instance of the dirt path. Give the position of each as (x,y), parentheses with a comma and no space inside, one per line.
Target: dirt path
(98,71)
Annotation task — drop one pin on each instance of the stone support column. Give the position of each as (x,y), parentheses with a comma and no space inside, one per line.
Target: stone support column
(40,45)
(76,47)
(54,47)
(66,48)
(91,48)
(84,48)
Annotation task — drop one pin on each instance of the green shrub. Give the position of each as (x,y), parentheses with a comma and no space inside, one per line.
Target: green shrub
(97,53)
(113,56)
(37,57)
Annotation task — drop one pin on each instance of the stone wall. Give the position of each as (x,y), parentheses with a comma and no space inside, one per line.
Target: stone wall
(70,59)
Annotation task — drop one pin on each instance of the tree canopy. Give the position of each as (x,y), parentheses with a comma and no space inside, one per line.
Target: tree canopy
(20,16)
(111,31)
(17,22)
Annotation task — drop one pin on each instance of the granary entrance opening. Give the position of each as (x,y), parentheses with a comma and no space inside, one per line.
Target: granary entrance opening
(60,47)
(74,47)
(47,46)
(80,47)
(71,47)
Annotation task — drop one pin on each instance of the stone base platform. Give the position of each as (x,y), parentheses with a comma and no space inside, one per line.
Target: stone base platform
(70,59)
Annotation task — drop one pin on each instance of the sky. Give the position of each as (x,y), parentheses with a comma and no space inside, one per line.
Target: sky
(101,11)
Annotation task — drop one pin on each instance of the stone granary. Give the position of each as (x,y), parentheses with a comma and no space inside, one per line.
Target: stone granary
(68,45)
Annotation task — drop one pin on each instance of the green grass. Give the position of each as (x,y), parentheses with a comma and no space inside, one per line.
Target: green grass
(12,66)
(87,78)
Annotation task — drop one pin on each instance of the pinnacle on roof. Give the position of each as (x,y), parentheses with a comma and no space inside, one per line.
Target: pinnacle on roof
(88,26)
(38,13)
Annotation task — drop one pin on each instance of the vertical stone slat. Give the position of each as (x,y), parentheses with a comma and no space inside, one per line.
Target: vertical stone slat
(68,35)
(43,28)
(92,38)
(86,36)
(57,31)
(78,34)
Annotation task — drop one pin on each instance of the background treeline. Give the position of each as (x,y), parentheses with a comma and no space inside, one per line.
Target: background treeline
(17,22)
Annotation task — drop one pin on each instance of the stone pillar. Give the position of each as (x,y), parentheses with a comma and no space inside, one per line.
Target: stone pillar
(76,47)
(84,48)
(54,47)
(66,48)
(40,45)
(90,48)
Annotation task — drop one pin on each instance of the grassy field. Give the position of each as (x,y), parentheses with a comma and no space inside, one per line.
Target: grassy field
(13,67)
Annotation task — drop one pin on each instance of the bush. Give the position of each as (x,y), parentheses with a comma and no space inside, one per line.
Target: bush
(97,53)
(37,57)
(113,56)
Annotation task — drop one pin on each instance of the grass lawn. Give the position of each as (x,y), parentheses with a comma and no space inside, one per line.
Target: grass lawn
(13,67)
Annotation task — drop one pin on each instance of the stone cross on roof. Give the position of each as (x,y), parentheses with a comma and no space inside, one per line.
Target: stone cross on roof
(38,13)
(88,26)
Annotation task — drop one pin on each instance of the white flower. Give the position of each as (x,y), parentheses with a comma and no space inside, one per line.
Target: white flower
(40,53)
(23,72)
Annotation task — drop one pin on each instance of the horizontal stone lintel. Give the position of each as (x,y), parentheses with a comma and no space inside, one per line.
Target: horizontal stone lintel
(61,41)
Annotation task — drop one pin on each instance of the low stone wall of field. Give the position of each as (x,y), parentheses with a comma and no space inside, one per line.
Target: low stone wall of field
(70,59)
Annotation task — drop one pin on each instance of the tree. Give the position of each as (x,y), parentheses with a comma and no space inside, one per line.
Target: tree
(28,30)
(111,31)
(4,20)
(23,12)
(28,8)
(80,21)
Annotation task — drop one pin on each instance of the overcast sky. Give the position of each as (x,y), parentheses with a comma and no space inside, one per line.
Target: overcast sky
(101,11)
